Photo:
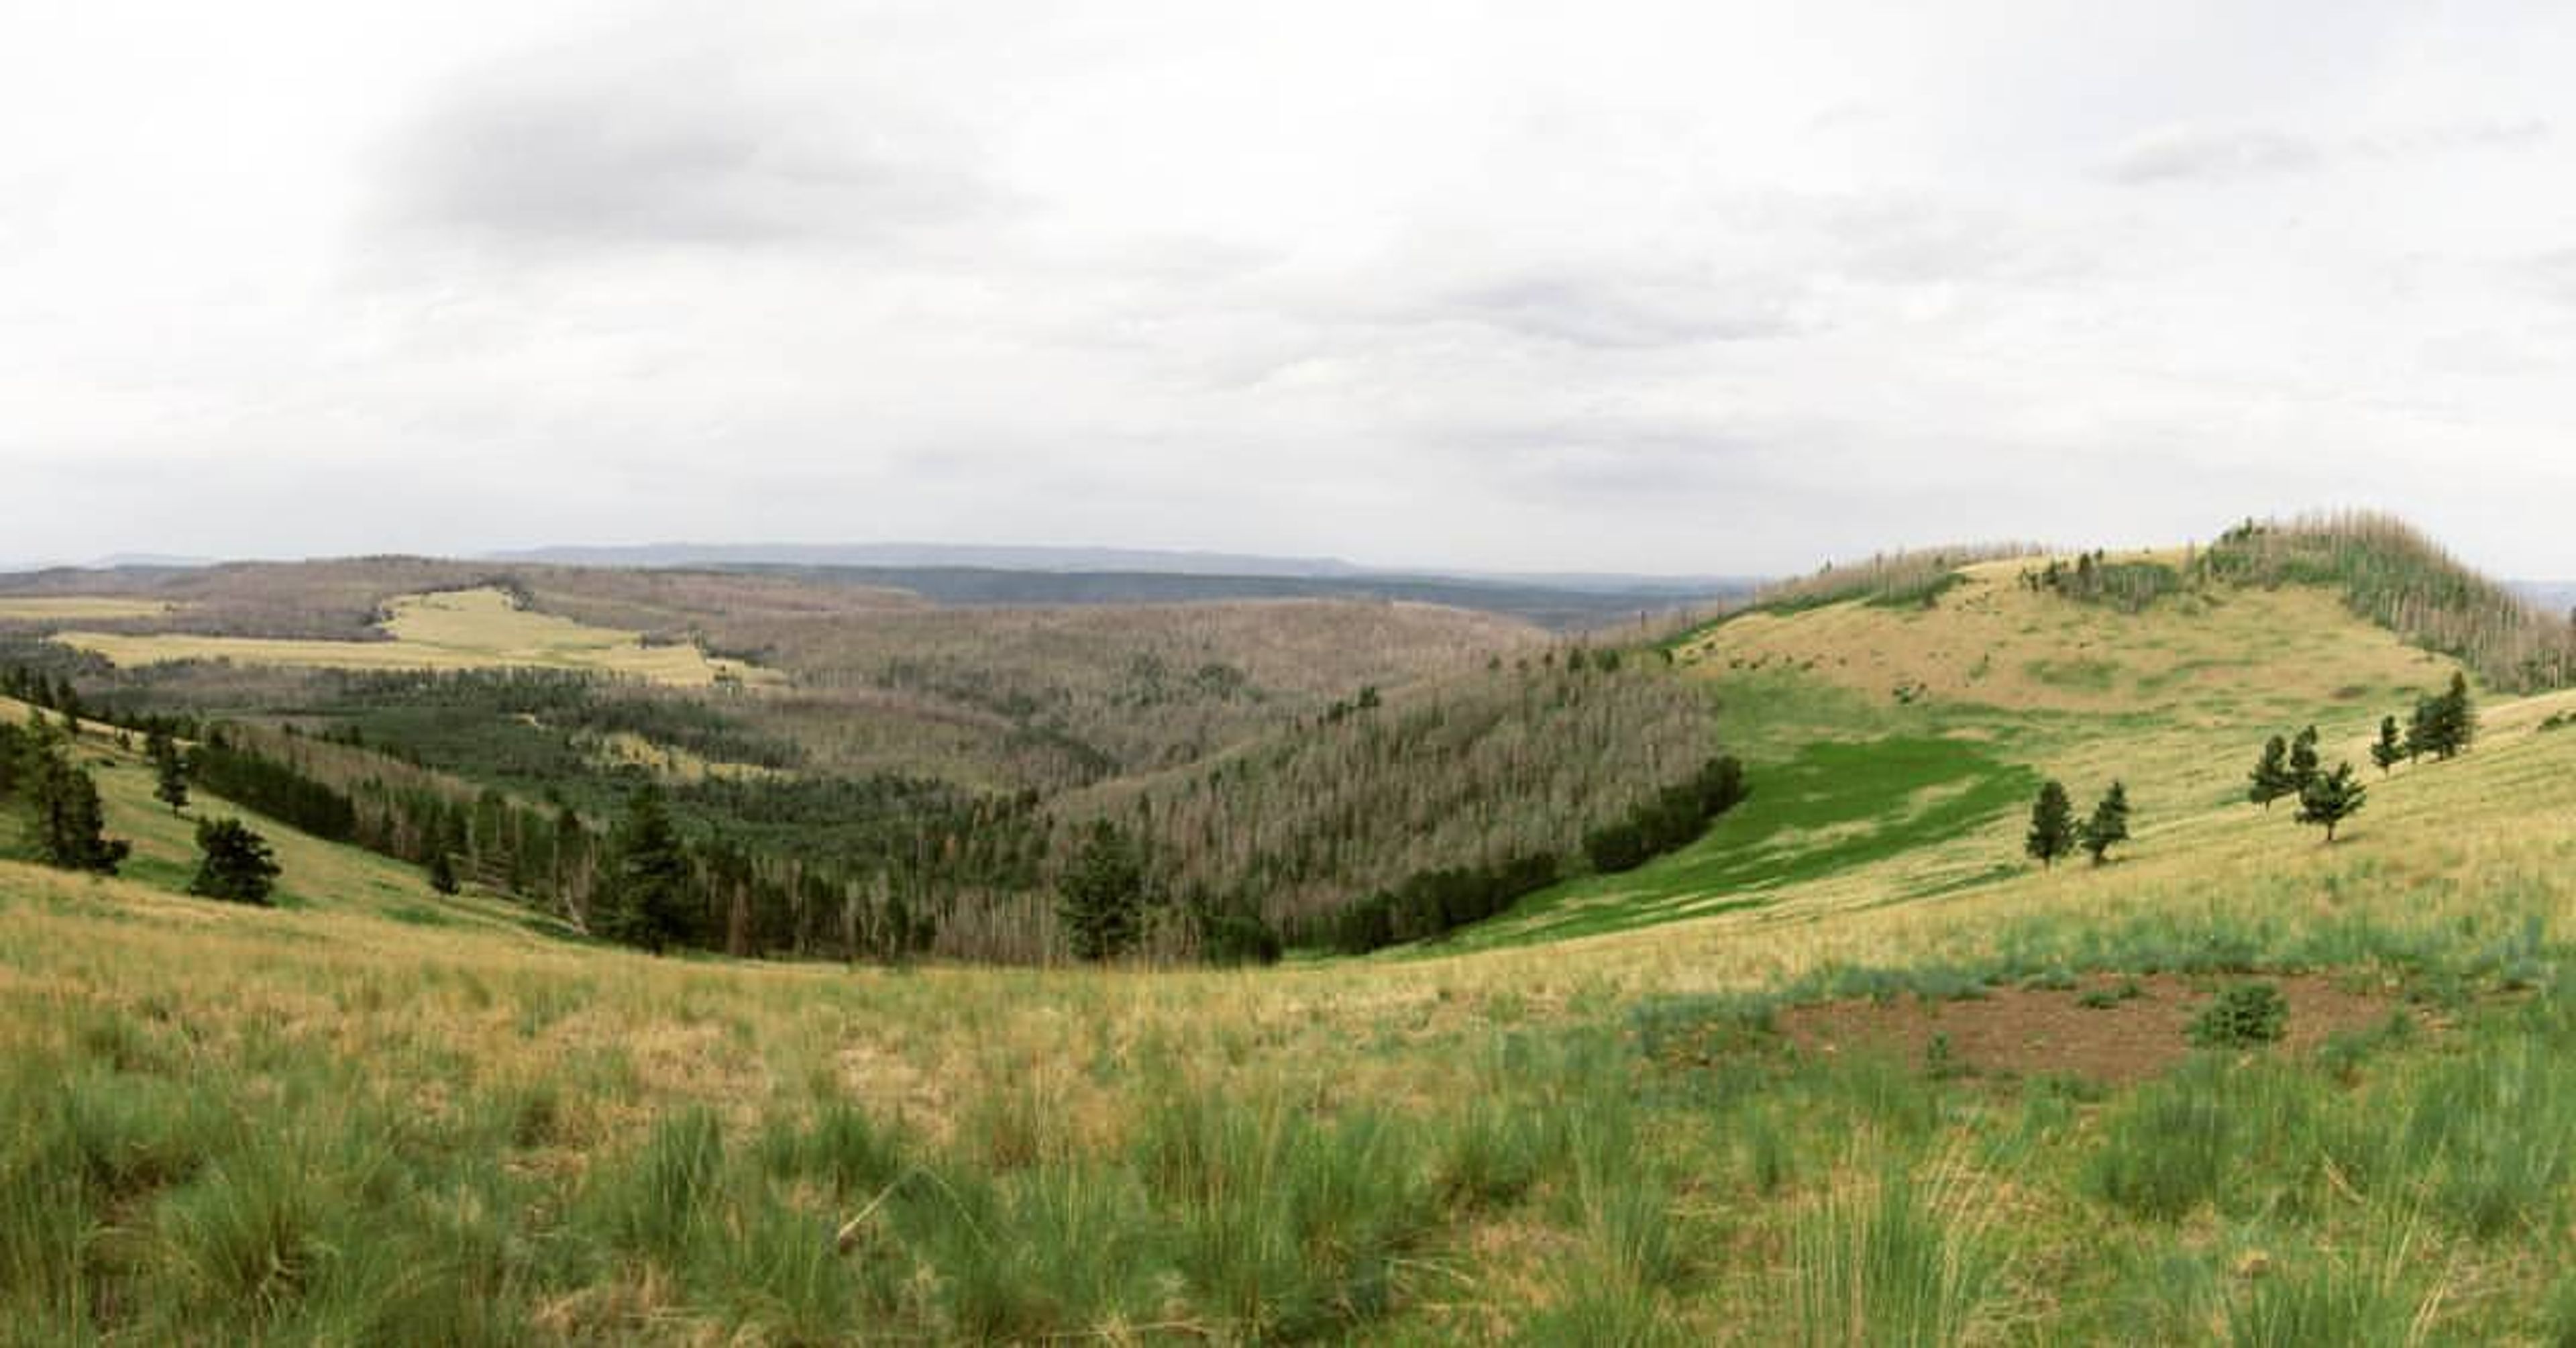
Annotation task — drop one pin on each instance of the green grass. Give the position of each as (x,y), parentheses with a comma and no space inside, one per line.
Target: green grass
(1834,806)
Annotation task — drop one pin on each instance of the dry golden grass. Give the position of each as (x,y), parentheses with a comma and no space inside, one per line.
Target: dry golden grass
(458,629)
(1992,642)
(79,608)
(1012,1070)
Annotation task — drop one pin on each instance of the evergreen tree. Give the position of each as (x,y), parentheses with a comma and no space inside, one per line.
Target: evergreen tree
(2329,800)
(70,823)
(1102,899)
(648,889)
(169,770)
(2454,720)
(2303,761)
(2109,824)
(2052,825)
(16,748)
(237,865)
(2390,746)
(2422,729)
(2271,776)
(442,871)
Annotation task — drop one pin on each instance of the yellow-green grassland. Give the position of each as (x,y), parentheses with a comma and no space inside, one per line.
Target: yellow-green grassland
(372,1114)
(457,629)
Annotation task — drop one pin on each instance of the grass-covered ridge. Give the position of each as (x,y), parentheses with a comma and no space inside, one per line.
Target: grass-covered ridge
(2402,580)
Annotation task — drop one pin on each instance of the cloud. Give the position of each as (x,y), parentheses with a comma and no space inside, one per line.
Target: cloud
(2184,154)
(1616,312)
(2205,154)
(653,149)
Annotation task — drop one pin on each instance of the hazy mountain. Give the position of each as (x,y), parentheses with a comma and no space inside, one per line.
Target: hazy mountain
(995,557)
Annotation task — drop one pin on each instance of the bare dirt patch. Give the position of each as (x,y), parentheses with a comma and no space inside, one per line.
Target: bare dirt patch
(2029,1031)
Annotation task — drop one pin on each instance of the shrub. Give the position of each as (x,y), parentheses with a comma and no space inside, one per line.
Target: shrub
(2242,1016)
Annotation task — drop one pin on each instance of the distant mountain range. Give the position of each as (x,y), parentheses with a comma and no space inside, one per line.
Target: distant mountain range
(1131,561)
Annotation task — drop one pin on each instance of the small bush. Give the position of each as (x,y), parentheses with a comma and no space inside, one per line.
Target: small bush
(2243,1016)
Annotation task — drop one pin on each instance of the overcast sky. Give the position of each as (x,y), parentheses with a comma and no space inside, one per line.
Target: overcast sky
(1682,288)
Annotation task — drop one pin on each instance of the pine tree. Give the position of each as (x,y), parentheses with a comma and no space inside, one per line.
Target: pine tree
(2052,825)
(2303,760)
(70,823)
(2271,776)
(2329,800)
(2390,746)
(2109,824)
(169,770)
(237,865)
(1102,900)
(648,889)
(2421,729)
(2455,721)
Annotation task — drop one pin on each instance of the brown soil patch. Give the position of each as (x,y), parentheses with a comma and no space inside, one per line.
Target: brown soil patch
(2026,1031)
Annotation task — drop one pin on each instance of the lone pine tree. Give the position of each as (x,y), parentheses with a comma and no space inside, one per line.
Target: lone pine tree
(2270,779)
(2109,824)
(2330,800)
(1102,900)
(2052,825)
(237,864)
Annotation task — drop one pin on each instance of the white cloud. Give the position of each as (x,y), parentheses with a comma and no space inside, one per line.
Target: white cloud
(1653,287)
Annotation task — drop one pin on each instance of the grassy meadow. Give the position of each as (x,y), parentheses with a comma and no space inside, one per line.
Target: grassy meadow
(458,629)
(79,608)
(372,1116)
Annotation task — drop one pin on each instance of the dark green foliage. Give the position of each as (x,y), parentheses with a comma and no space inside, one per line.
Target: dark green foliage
(2108,825)
(2270,779)
(1101,899)
(276,789)
(1432,903)
(2052,825)
(1236,935)
(442,872)
(2303,761)
(2445,724)
(17,748)
(69,822)
(2329,800)
(169,770)
(235,863)
(2095,579)
(2243,1015)
(1676,816)
(2389,749)
(646,902)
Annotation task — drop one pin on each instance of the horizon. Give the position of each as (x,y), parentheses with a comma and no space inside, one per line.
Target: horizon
(1138,556)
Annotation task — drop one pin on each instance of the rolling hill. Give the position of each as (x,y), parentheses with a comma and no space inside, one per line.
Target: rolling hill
(1848,1069)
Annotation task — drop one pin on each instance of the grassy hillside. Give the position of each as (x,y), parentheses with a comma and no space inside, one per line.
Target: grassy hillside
(1848,1070)
(327,1125)
(1895,747)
